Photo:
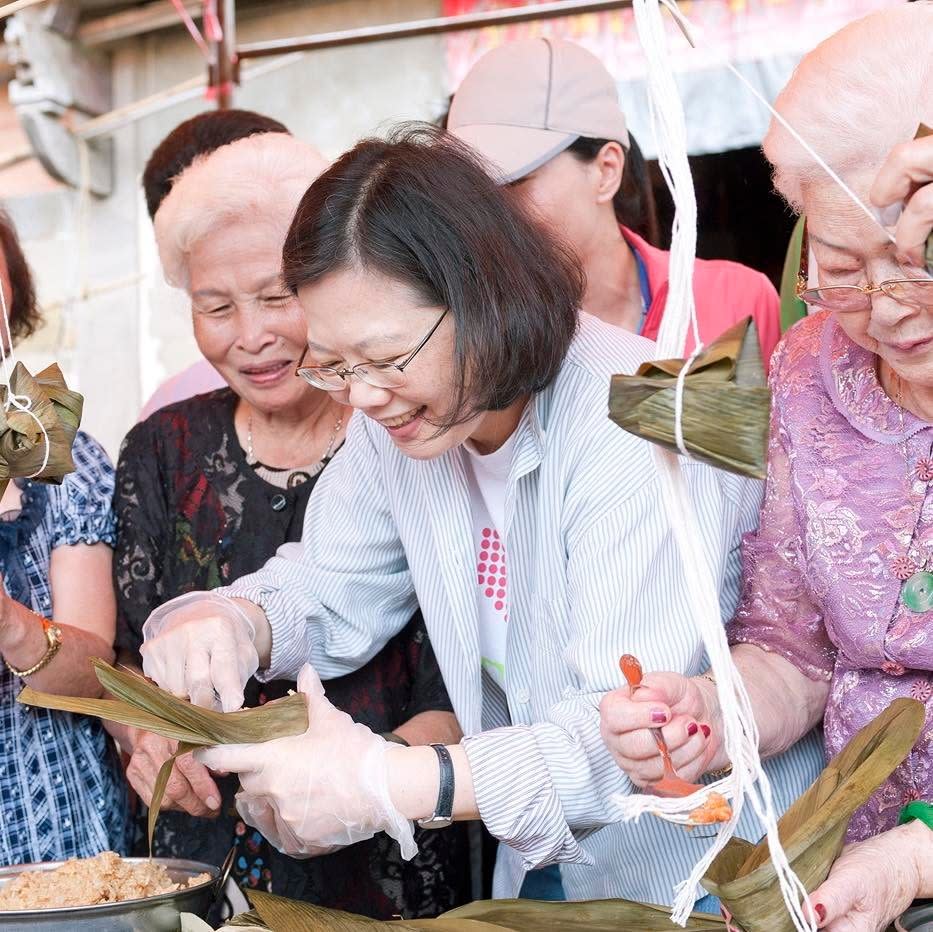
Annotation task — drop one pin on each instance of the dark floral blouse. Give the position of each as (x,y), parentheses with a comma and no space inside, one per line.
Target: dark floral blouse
(192,515)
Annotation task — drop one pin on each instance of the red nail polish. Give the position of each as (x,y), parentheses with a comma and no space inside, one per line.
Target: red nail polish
(706,730)
(820,911)
(692,729)
(658,717)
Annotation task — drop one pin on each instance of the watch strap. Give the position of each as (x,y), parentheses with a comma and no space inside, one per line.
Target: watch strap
(443,811)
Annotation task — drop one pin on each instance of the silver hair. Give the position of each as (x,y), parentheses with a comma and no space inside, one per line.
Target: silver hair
(257,180)
(854,97)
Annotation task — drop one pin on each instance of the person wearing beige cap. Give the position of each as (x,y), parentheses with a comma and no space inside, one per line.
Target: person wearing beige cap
(544,114)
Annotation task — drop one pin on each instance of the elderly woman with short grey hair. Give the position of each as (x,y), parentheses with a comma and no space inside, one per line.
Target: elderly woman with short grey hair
(837,608)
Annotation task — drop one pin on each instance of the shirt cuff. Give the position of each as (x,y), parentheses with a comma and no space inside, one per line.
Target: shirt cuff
(518,802)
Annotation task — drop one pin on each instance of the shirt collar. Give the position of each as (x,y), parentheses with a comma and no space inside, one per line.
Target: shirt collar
(850,377)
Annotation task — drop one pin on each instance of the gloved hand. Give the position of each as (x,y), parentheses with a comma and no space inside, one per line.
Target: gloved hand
(680,707)
(201,645)
(907,176)
(323,789)
(874,881)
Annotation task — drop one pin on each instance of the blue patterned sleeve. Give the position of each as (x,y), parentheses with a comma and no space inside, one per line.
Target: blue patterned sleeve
(82,503)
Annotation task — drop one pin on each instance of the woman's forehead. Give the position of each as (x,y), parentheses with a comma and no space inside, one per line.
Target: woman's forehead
(352,309)
(837,224)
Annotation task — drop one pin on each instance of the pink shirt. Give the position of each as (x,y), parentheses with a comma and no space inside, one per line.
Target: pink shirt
(195,380)
(725,293)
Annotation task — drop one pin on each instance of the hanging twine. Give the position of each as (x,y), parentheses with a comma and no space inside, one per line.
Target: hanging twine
(747,781)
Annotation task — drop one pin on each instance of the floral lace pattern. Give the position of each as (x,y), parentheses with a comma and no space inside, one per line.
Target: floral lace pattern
(847,517)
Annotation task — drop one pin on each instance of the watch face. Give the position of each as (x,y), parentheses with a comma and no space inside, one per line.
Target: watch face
(435,822)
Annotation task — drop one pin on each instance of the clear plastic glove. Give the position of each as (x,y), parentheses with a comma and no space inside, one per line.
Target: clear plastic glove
(190,788)
(201,645)
(669,701)
(873,881)
(907,178)
(326,788)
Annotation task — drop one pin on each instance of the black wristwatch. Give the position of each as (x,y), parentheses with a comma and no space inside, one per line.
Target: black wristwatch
(443,811)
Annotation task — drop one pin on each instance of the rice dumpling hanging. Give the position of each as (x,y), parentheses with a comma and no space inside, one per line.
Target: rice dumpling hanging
(39,417)
(725,405)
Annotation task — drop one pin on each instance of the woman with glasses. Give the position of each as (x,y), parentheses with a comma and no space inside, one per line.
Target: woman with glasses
(837,606)
(209,488)
(480,476)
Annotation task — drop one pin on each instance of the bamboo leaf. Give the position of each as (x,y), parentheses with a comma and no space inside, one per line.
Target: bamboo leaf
(112,710)
(158,789)
(587,916)
(813,829)
(278,719)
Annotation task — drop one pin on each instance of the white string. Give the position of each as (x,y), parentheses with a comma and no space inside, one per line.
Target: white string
(740,733)
(687,29)
(679,402)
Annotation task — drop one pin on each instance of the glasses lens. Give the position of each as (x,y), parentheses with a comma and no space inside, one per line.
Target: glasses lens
(380,375)
(838,298)
(915,292)
(327,379)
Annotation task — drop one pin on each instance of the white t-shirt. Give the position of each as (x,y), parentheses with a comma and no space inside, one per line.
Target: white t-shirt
(487,476)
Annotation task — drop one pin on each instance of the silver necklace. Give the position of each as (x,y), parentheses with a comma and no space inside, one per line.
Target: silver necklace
(251,459)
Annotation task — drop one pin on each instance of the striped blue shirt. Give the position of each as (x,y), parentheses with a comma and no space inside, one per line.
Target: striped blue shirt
(593,573)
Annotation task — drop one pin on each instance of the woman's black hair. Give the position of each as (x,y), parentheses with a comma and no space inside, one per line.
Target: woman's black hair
(634,203)
(200,135)
(420,209)
(24,314)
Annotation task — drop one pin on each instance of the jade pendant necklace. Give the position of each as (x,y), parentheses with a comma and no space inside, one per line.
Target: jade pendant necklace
(917,590)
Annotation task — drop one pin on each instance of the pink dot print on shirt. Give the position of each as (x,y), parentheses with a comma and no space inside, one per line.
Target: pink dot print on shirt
(490,570)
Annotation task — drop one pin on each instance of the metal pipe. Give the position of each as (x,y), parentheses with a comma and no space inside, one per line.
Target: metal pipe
(428,27)
(221,71)
(8,9)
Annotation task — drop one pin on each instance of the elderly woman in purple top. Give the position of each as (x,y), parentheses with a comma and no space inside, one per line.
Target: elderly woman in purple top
(836,619)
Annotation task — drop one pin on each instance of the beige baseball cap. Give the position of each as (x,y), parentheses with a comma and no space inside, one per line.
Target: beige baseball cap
(525,102)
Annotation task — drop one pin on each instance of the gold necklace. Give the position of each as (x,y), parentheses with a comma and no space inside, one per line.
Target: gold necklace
(253,461)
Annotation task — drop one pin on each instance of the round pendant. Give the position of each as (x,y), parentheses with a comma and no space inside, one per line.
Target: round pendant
(917,593)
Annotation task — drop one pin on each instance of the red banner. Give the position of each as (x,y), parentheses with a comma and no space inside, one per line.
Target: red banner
(725,30)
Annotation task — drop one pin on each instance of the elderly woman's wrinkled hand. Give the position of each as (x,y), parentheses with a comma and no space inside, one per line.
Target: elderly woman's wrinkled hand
(313,792)
(676,704)
(873,881)
(907,176)
(201,645)
(190,788)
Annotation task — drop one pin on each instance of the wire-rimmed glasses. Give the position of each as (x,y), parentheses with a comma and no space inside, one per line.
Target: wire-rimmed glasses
(376,374)
(914,292)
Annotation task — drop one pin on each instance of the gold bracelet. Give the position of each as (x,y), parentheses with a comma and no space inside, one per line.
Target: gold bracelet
(53,635)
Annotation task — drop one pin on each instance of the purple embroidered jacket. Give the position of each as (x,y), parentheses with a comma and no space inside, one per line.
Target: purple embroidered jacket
(848,506)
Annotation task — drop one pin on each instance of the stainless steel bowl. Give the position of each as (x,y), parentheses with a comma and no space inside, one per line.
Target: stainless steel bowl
(917,919)
(150,914)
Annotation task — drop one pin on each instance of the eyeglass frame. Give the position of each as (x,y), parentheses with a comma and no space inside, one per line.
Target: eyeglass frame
(803,284)
(345,373)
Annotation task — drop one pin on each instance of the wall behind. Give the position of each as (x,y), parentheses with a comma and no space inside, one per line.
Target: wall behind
(134,331)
